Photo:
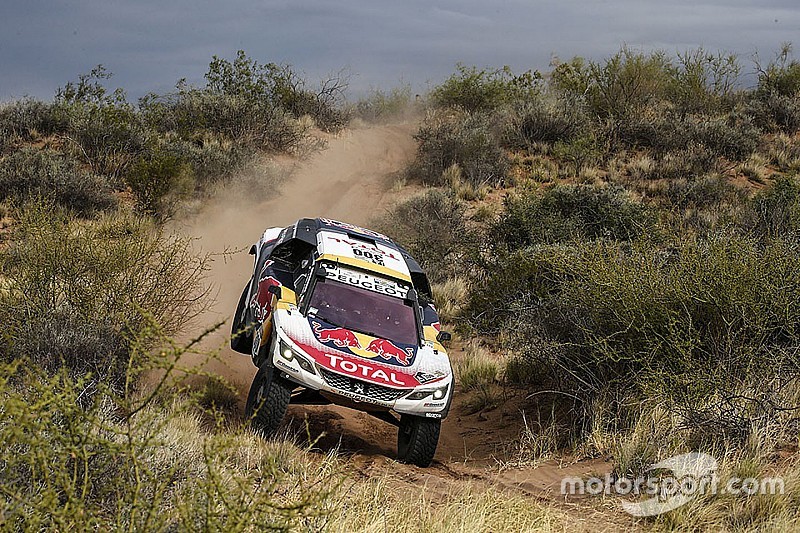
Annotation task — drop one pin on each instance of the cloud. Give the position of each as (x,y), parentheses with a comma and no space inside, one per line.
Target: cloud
(150,44)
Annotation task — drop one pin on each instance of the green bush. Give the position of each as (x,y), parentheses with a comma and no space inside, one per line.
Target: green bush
(30,173)
(510,280)
(279,86)
(732,136)
(432,226)
(567,212)
(24,120)
(703,82)
(467,140)
(255,124)
(75,294)
(775,112)
(473,90)
(700,325)
(781,76)
(775,212)
(709,192)
(149,462)
(159,180)
(103,129)
(212,160)
(537,121)
(623,85)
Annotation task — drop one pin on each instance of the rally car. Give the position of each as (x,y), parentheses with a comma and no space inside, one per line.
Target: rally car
(336,313)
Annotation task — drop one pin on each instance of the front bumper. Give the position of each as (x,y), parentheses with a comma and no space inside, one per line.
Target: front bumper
(430,400)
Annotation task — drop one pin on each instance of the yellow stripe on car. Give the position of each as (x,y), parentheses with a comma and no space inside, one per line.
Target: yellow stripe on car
(365,265)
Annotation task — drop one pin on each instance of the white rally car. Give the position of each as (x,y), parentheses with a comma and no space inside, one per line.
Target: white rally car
(335,313)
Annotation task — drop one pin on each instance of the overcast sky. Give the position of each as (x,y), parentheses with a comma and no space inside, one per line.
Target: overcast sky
(150,44)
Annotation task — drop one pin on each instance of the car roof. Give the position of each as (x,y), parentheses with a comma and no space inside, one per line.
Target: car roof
(356,250)
(353,245)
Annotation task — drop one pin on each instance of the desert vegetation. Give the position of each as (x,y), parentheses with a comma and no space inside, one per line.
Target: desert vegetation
(91,142)
(615,240)
(630,256)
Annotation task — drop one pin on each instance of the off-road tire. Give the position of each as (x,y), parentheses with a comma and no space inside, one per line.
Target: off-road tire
(268,400)
(241,339)
(417,439)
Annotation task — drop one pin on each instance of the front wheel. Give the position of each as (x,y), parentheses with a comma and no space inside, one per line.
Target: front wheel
(268,400)
(417,439)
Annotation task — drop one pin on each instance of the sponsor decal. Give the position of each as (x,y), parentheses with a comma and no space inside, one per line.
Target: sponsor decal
(285,366)
(365,281)
(363,370)
(386,349)
(358,367)
(366,250)
(424,377)
(341,337)
(261,302)
(433,415)
(433,404)
(352,343)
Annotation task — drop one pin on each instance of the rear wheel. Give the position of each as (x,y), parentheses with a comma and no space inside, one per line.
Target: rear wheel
(417,439)
(268,400)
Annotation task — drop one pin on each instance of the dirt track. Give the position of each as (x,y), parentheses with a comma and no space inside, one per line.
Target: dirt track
(351,180)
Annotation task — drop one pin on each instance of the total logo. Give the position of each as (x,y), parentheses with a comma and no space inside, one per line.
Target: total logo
(351,367)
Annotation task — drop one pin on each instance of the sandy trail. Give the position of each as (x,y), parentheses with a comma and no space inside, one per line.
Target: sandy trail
(347,181)
(350,180)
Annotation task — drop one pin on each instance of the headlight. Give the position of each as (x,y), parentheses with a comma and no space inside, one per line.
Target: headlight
(288,353)
(438,394)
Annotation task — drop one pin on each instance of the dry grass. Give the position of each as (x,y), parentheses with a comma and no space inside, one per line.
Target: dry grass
(450,296)
(377,506)
(399,184)
(465,190)
(478,370)
(591,175)
(754,169)
(539,440)
(742,512)
(384,502)
(784,153)
(641,167)
(476,367)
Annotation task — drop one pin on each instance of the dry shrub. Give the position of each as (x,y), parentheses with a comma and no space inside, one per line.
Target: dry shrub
(78,293)
(432,226)
(467,140)
(31,174)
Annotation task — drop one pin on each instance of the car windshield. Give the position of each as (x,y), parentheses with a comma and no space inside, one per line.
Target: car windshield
(362,310)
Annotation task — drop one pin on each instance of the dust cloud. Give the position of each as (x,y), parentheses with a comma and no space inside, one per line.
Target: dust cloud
(349,180)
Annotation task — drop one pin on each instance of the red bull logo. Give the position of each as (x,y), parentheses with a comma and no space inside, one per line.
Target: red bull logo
(262,300)
(341,337)
(387,349)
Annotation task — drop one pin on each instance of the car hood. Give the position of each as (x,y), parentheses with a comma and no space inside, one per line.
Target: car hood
(370,358)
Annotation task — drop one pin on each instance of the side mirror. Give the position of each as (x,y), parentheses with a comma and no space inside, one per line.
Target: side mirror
(443,336)
(276,290)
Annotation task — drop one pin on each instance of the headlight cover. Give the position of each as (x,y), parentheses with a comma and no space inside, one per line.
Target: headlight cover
(288,353)
(437,393)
